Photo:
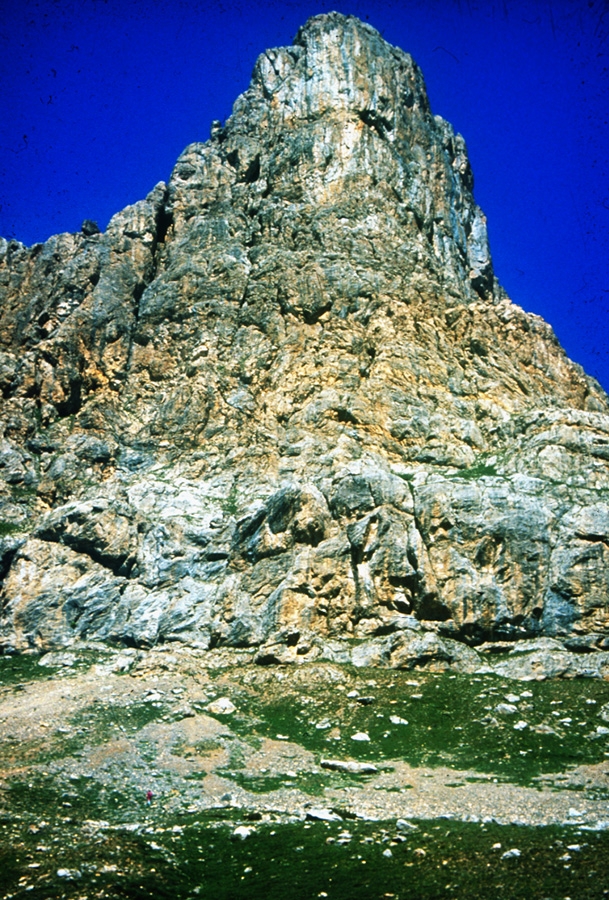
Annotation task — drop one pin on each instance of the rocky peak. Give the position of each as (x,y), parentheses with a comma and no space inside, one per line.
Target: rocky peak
(340,111)
(282,402)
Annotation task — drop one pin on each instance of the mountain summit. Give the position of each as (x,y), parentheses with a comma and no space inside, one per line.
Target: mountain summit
(282,404)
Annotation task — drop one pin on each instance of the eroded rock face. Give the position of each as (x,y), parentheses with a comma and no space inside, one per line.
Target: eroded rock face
(283,402)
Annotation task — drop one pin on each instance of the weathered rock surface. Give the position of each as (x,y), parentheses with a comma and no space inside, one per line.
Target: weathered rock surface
(283,402)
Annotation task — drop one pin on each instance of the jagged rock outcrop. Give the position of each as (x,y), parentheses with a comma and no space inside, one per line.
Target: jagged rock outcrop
(283,401)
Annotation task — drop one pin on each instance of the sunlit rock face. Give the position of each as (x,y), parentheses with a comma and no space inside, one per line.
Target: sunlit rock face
(283,401)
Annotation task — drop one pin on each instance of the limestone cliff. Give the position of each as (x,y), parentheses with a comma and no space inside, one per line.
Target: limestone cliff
(283,401)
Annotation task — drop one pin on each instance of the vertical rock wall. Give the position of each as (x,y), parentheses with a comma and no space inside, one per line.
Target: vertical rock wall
(283,402)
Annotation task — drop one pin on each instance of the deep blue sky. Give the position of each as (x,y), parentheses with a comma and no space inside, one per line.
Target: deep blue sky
(99,97)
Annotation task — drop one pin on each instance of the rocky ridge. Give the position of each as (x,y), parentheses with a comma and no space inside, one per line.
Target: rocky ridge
(283,404)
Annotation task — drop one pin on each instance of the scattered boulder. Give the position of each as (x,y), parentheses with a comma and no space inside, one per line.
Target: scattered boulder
(320,814)
(350,766)
(222,707)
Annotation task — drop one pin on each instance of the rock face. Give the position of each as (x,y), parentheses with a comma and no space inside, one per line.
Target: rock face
(283,402)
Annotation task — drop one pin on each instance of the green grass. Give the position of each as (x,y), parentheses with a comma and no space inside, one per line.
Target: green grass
(477,471)
(21,668)
(453,724)
(23,491)
(200,858)
(101,719)
(312,783)
(229,504)
(96,725)
(16,670)
(485,465)
(7,528)
(41,798)
(450,725)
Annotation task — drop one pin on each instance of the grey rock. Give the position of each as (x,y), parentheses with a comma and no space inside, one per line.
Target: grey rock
(222,706)
(405,825)
(69,874)
(323,815)
(57,660)
(354,768)
(281,407)
(410,650)
(89,227)
(538,664)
